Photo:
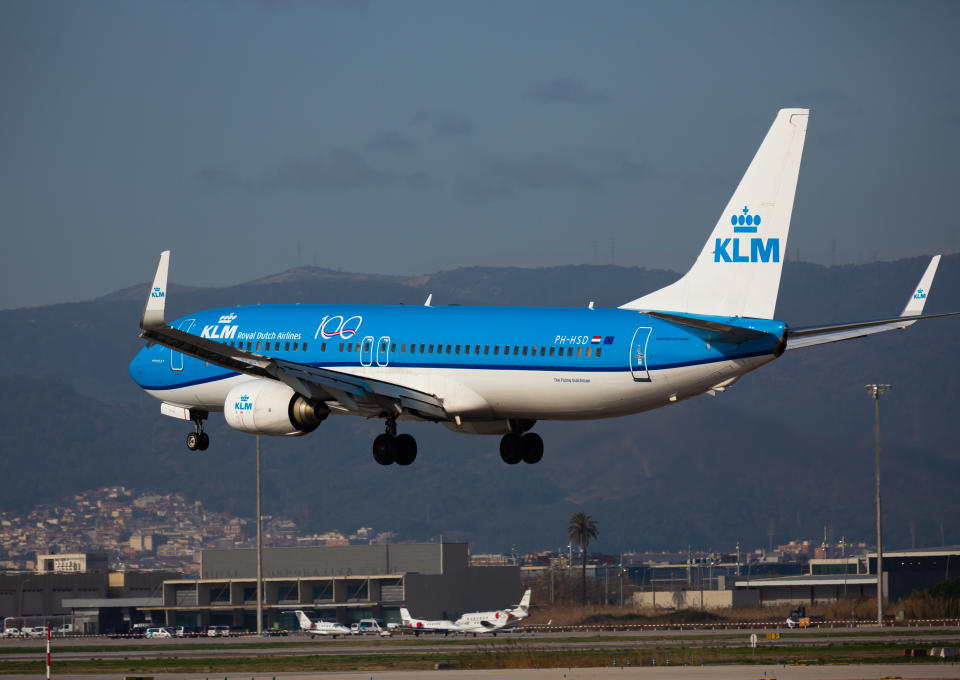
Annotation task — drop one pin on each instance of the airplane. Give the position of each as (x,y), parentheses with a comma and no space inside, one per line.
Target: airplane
(283,369)
(331,628)
(425,626)
(514,615)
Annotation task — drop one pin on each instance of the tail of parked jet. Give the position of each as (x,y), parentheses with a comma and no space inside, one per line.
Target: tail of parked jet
(305,622)
(522,609)
(738,271)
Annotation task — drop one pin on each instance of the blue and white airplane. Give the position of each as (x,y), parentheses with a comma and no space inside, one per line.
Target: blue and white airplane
(283,369)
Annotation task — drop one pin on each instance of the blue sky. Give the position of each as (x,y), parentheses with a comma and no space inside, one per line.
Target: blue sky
(412,137)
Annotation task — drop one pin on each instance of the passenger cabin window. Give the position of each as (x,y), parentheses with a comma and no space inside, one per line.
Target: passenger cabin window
(286,347)
(366,347)
(579,351)
(431,349)
(569,351)
(552,349)
(458,349)
(393,347)
(448,349)
(476,350)
(258,345)
(341,347)
(422,345)
(516,350)
(403,347)
(295,345)
(598,352)
(589,351)
(496,349)
(466,349)
(525,350)
(350,346)
(486,349)
(543,351)
(248,345)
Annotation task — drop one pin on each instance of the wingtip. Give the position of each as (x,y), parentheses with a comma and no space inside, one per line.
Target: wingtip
(153,310)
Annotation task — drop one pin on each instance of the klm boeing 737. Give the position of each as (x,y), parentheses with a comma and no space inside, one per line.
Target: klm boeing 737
(283,369)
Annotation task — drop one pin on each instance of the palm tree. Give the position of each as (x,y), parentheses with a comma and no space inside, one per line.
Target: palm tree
(581,529)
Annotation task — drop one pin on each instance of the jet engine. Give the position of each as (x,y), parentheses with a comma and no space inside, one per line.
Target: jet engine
(263,406)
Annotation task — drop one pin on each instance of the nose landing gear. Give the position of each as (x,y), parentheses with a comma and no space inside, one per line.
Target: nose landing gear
(390,447)
(198,440)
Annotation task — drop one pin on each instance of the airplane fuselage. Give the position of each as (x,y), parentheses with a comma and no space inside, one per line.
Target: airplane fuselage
(485,363)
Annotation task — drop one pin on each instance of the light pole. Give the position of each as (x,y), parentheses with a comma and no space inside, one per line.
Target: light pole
(259,551)
(875,390)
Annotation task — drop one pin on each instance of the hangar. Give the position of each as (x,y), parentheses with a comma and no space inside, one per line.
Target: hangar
(342,583)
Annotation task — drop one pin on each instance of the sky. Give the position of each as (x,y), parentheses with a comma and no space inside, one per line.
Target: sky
(420,136)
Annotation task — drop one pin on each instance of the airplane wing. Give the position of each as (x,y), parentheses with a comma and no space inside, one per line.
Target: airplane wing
(818,335)
(354,393)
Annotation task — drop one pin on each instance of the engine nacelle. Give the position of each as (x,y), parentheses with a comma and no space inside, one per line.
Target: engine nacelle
(263,406)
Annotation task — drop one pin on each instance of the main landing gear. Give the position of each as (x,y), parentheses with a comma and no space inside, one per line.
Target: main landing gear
(515,447)
(391,447)
(198,440)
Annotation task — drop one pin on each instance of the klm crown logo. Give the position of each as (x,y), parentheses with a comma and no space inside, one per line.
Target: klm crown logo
(920,294)
(739,249)
(244,404)
(156,292)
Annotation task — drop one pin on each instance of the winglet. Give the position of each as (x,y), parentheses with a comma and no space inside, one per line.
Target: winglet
(919,297)
(156,300)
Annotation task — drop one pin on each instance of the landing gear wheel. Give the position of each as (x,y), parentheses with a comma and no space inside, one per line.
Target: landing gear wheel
(193,441)
(406,449)
(384,449)
(511,448)
(532,446)
(204,442)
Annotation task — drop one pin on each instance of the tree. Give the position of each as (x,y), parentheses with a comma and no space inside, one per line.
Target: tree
(581,529)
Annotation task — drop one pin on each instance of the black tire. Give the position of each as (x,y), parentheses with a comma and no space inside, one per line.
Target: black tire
(193,441)
(532,446)
(384,449)
(511,448)
(406,449)
(204,442)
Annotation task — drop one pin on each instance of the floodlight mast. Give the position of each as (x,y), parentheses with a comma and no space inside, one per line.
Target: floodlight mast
(875,390)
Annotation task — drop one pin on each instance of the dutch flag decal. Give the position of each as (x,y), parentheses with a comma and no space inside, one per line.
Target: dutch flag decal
(595,340)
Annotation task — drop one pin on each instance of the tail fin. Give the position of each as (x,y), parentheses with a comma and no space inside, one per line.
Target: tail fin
(405,617)
(524,605)
(305,622)
(738,271)
(919,298)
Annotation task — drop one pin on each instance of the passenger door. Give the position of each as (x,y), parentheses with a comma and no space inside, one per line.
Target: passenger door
(638,354)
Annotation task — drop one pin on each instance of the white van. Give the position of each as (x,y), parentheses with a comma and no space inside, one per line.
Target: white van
(162,632)
(372,626)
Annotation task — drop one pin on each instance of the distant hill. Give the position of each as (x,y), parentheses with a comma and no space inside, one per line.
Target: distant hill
(788,447)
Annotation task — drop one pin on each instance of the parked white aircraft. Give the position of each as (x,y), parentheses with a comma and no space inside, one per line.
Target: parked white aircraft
(514,615)
(427,626)
(331,628)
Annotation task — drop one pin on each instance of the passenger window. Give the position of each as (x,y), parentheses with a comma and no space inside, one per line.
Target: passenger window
(525,350)
(350,346)
(458,349)
(589,352)
(249,345)
(448,349)
(466,349)
(383,347)
(295,346)
(477,350)
(403,347)
(516,350)
(579,352)
(598,352)
(393,347)
(496,349)
(431,349)
(506,350)
(258,345)
(569,351)
(439,349)
(543,351)
(286,347)
(552,349)
(341,347)
(276,347)
(422,345)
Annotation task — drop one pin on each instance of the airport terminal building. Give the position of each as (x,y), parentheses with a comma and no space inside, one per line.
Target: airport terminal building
(342,583)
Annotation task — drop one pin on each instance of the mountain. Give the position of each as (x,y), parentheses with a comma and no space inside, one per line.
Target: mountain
(788,448)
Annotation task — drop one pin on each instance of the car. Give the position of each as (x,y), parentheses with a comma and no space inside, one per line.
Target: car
(218,631)
(160,632)
(12,633)
(35,631)
(64,629)
(185,631)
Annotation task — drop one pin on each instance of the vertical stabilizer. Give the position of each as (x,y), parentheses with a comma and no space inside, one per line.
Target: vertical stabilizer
(738,271)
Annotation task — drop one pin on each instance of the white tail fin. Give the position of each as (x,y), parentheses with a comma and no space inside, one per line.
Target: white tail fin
(919,298)
(524,605)
(305,622)
(738,271)
(405,617)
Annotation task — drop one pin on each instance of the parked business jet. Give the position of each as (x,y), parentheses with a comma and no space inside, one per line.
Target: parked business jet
(331,628)
(282,369)
(425,625)
(513,615)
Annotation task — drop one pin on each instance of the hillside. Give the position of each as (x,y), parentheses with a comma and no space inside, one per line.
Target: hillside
(789,446)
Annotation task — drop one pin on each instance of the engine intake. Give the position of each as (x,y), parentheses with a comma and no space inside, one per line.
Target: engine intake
(263,406)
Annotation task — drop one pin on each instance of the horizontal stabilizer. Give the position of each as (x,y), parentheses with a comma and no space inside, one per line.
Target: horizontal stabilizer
(719,332)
